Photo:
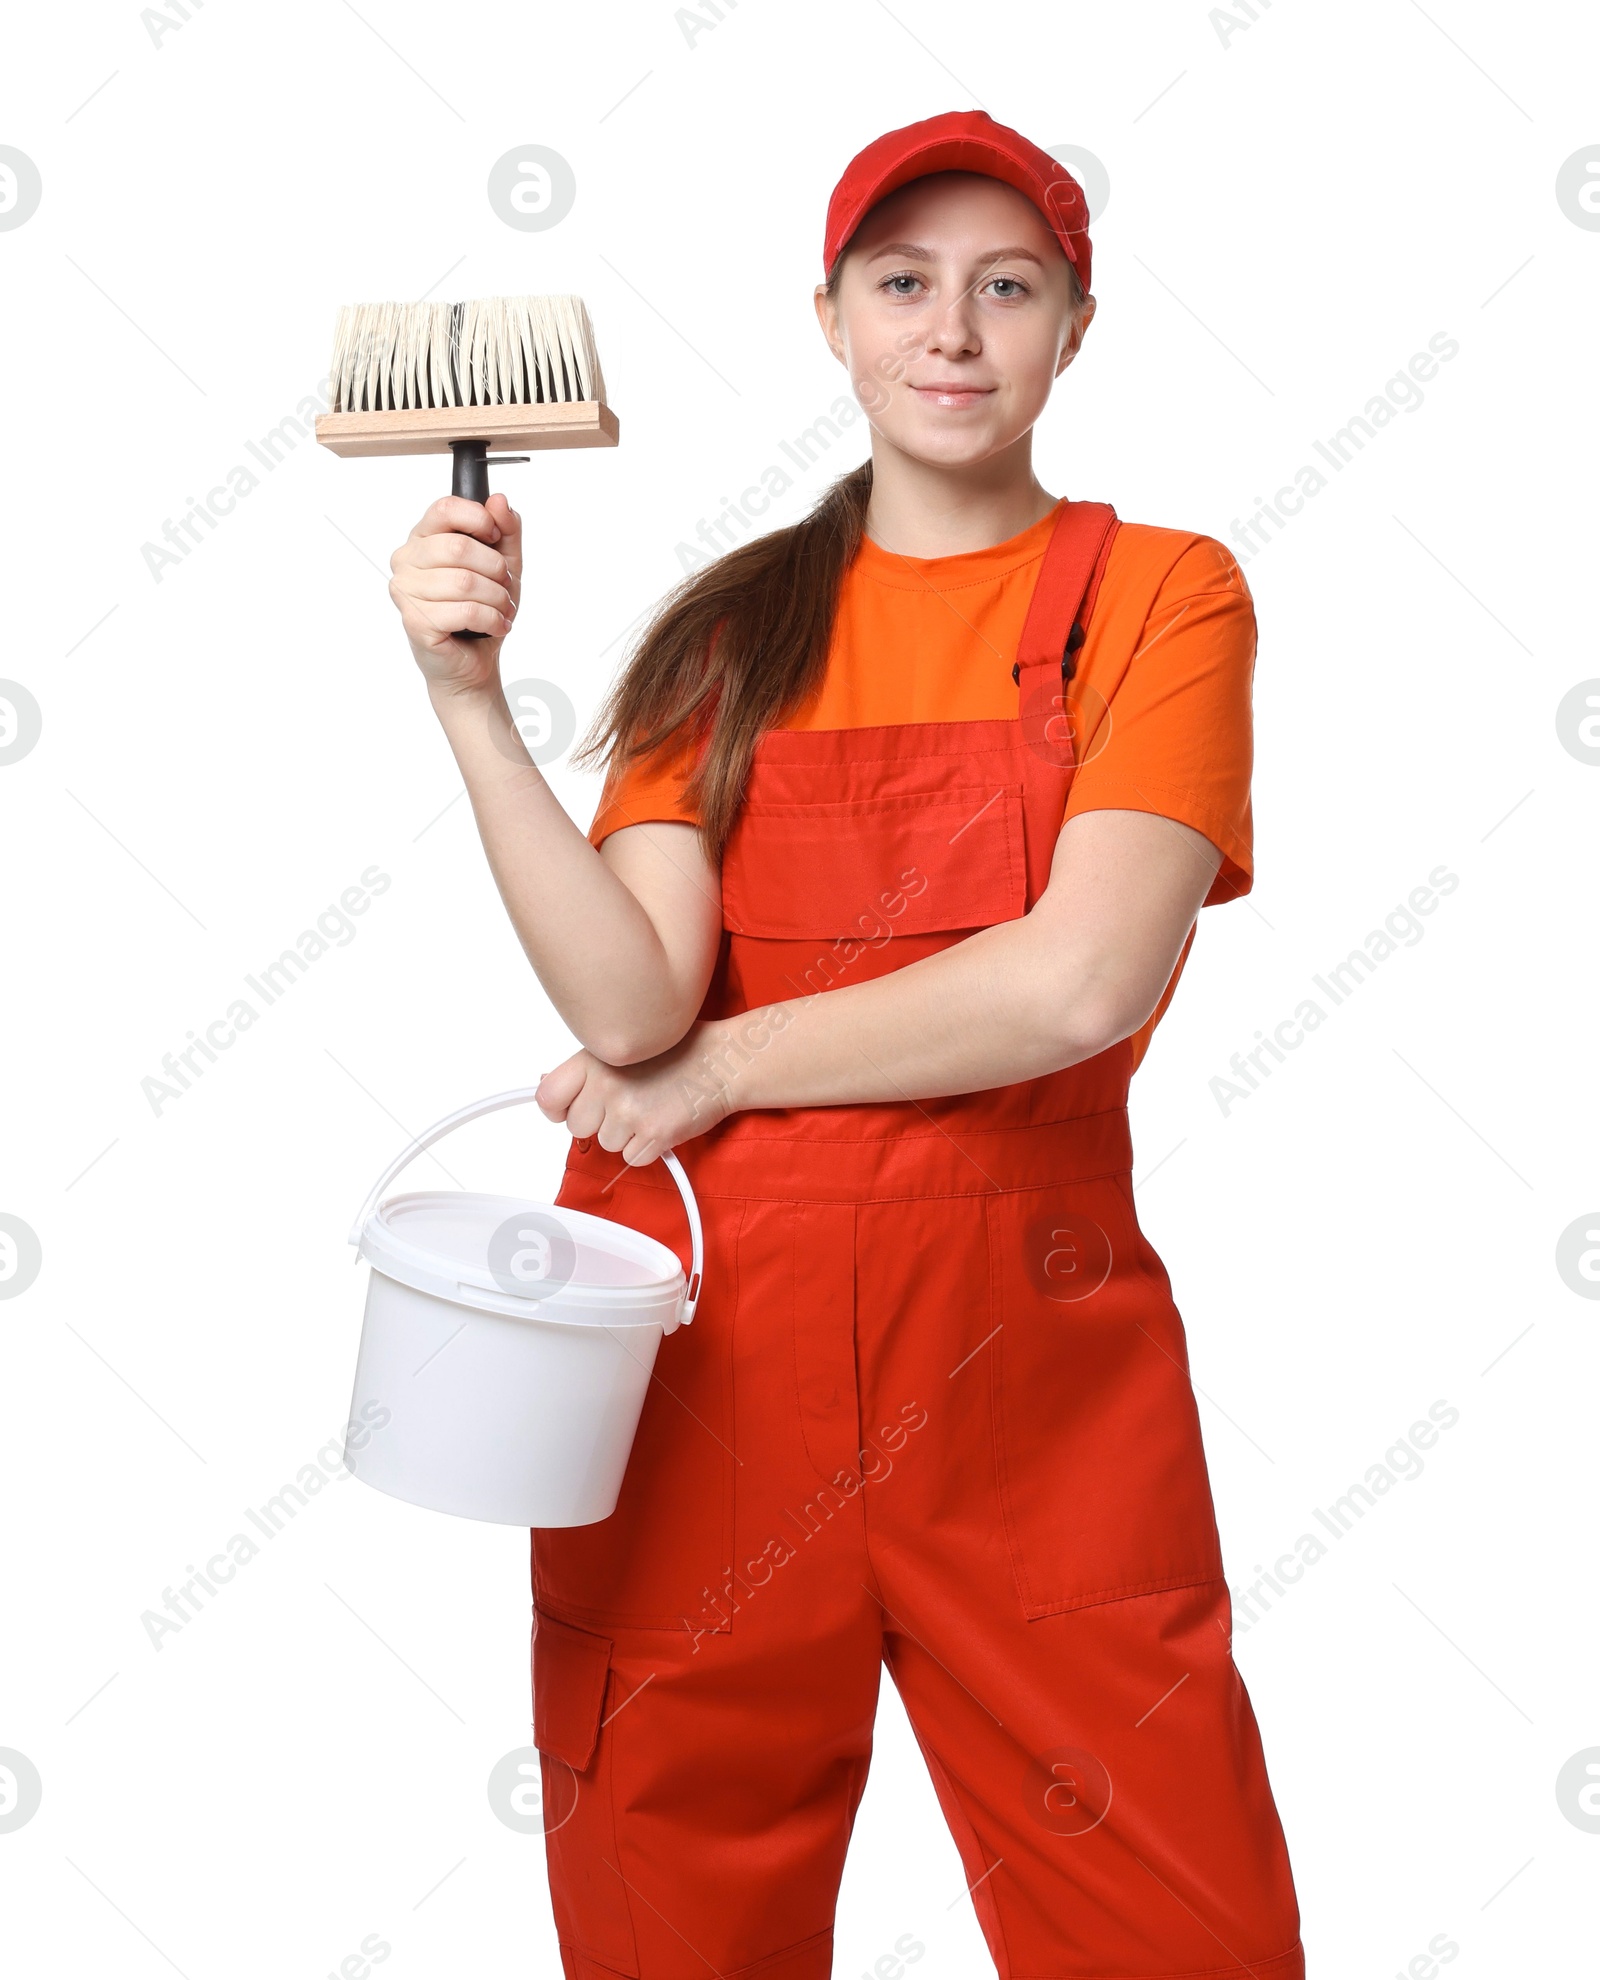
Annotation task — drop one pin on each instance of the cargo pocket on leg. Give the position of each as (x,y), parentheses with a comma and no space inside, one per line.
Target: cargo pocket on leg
(571,1682)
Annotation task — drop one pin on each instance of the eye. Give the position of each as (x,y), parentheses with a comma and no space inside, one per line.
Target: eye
(1013,287)
(904,276)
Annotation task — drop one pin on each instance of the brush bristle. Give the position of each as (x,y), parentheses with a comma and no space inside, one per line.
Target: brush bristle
(494,351)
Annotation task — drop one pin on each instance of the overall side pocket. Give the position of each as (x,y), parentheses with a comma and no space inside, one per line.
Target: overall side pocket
(652,1563)
(1102,1472)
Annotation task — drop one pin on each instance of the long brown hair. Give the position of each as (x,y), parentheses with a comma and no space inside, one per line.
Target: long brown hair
(733,648)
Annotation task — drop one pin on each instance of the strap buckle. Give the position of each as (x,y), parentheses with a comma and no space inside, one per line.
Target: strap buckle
(1075,639)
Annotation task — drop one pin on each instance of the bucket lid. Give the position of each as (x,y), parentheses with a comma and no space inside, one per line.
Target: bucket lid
(505,1254)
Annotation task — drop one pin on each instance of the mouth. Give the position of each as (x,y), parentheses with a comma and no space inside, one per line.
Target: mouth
(953,395)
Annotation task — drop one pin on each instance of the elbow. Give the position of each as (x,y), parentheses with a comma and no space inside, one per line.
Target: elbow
(632,1045)
(1088,1033)
(1099,1016)
(609,1051)
(617,1048)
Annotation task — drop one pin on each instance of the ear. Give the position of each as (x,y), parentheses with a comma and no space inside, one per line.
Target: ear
(828,318)
(1069,350)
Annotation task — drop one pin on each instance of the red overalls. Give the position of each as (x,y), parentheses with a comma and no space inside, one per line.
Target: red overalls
(934,1411)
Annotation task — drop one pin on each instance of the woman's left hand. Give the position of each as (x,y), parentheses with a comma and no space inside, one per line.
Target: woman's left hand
(642,1111)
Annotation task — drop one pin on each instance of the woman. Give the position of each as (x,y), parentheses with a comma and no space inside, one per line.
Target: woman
(909,814)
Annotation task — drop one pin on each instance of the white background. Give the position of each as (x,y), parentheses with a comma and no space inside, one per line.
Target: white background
(1295,209)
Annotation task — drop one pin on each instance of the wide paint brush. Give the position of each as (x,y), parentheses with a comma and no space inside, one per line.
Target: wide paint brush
(460,378)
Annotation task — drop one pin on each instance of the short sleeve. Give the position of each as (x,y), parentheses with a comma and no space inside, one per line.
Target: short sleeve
(650,790)
(1171,733)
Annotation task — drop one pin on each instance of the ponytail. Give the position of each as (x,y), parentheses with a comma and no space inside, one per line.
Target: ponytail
(731,650)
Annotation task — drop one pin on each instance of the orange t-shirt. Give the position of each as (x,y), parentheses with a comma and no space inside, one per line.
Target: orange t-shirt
(1162,684)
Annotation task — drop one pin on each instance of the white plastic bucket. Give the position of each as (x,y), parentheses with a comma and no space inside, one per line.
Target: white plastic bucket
(507,1345)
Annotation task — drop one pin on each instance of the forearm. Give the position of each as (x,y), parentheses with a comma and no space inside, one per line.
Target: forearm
(1006,1004)
(593,947)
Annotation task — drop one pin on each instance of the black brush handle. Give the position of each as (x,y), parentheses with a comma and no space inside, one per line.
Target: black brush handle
(470,478)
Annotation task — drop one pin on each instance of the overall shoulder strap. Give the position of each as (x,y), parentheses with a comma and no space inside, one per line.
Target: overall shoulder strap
(1069,578)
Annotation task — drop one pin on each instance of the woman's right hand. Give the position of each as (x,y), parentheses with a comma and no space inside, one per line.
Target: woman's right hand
(459,569)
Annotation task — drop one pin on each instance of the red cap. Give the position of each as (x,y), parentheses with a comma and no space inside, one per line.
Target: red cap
(960,141)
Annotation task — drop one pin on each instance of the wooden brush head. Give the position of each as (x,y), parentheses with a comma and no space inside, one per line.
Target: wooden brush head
(515,371)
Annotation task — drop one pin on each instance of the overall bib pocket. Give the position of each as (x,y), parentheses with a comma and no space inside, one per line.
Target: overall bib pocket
(911,863)
(1102,1473)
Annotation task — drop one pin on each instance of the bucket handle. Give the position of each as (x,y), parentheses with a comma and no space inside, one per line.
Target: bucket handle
(493,1105)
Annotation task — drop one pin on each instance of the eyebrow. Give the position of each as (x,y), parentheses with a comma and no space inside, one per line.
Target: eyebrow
(915,253)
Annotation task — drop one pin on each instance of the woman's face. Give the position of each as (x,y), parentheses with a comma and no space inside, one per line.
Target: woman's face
(954,316)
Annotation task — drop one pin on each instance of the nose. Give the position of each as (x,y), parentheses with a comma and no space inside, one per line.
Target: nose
(951,328)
